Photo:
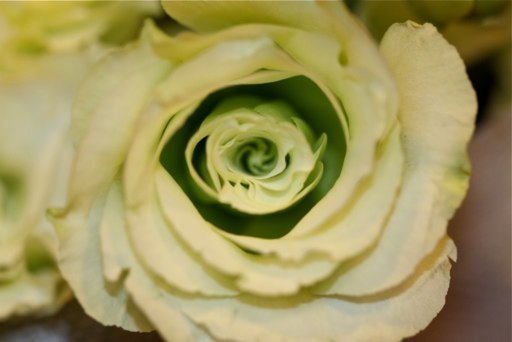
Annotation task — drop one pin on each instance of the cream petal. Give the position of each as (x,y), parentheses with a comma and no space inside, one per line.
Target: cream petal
(438,105)
(159,248)
(34,123)
(163,310)
(112,231)
(82,265)
(390,316)
(208,16)
(108,107)
(437,114)
(43,293)
(260,275)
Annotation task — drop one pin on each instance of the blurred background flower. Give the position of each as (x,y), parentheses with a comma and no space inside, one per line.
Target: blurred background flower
(29,29)
(47,47)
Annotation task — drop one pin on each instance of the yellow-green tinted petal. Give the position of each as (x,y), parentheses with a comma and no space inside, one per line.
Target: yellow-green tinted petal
(437,113)
(83,267)
(161,250)
(389,316)
(42,293)
(107,108)
(265,276)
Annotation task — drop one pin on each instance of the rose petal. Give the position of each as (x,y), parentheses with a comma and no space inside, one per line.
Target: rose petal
(389,316)
(351,231)
(437,114)
(110,101)
(42,293)
(160,250)
(266,276)
(81,262)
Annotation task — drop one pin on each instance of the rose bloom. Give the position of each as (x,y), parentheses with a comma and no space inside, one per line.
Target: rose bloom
(270,175)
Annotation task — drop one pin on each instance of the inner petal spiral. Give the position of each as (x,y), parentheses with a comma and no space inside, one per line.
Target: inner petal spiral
(255,157)
(258,157)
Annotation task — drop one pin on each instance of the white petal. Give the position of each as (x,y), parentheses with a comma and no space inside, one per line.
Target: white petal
(167,257)
(108,107)
(390,316)
(80,260)
(437,114)
(256,274)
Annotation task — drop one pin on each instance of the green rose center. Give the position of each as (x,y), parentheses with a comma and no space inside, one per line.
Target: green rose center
(258,157)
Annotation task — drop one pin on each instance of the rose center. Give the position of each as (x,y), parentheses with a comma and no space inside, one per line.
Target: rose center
(198,170)
(256,157)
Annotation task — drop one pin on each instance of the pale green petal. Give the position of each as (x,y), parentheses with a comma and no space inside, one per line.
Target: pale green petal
(389,316)
(36,27)
(259,275)
(330,17)
(144,154)
(162,310)
(369,121)
(257,159)
(160,249)
(351,231)
(42,293)
(211,16)
(437,113)
(124,272)
(220,63)
(33,132)
(112,235)
(109,106)
(82,265)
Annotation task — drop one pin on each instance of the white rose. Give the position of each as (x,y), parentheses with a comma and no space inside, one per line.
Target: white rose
(205,202)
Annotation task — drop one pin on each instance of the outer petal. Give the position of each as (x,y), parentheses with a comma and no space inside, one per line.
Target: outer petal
(266,276)
(108,107)
(389,316)
(211,16)
(314,16)
(437,114)
(80,259)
